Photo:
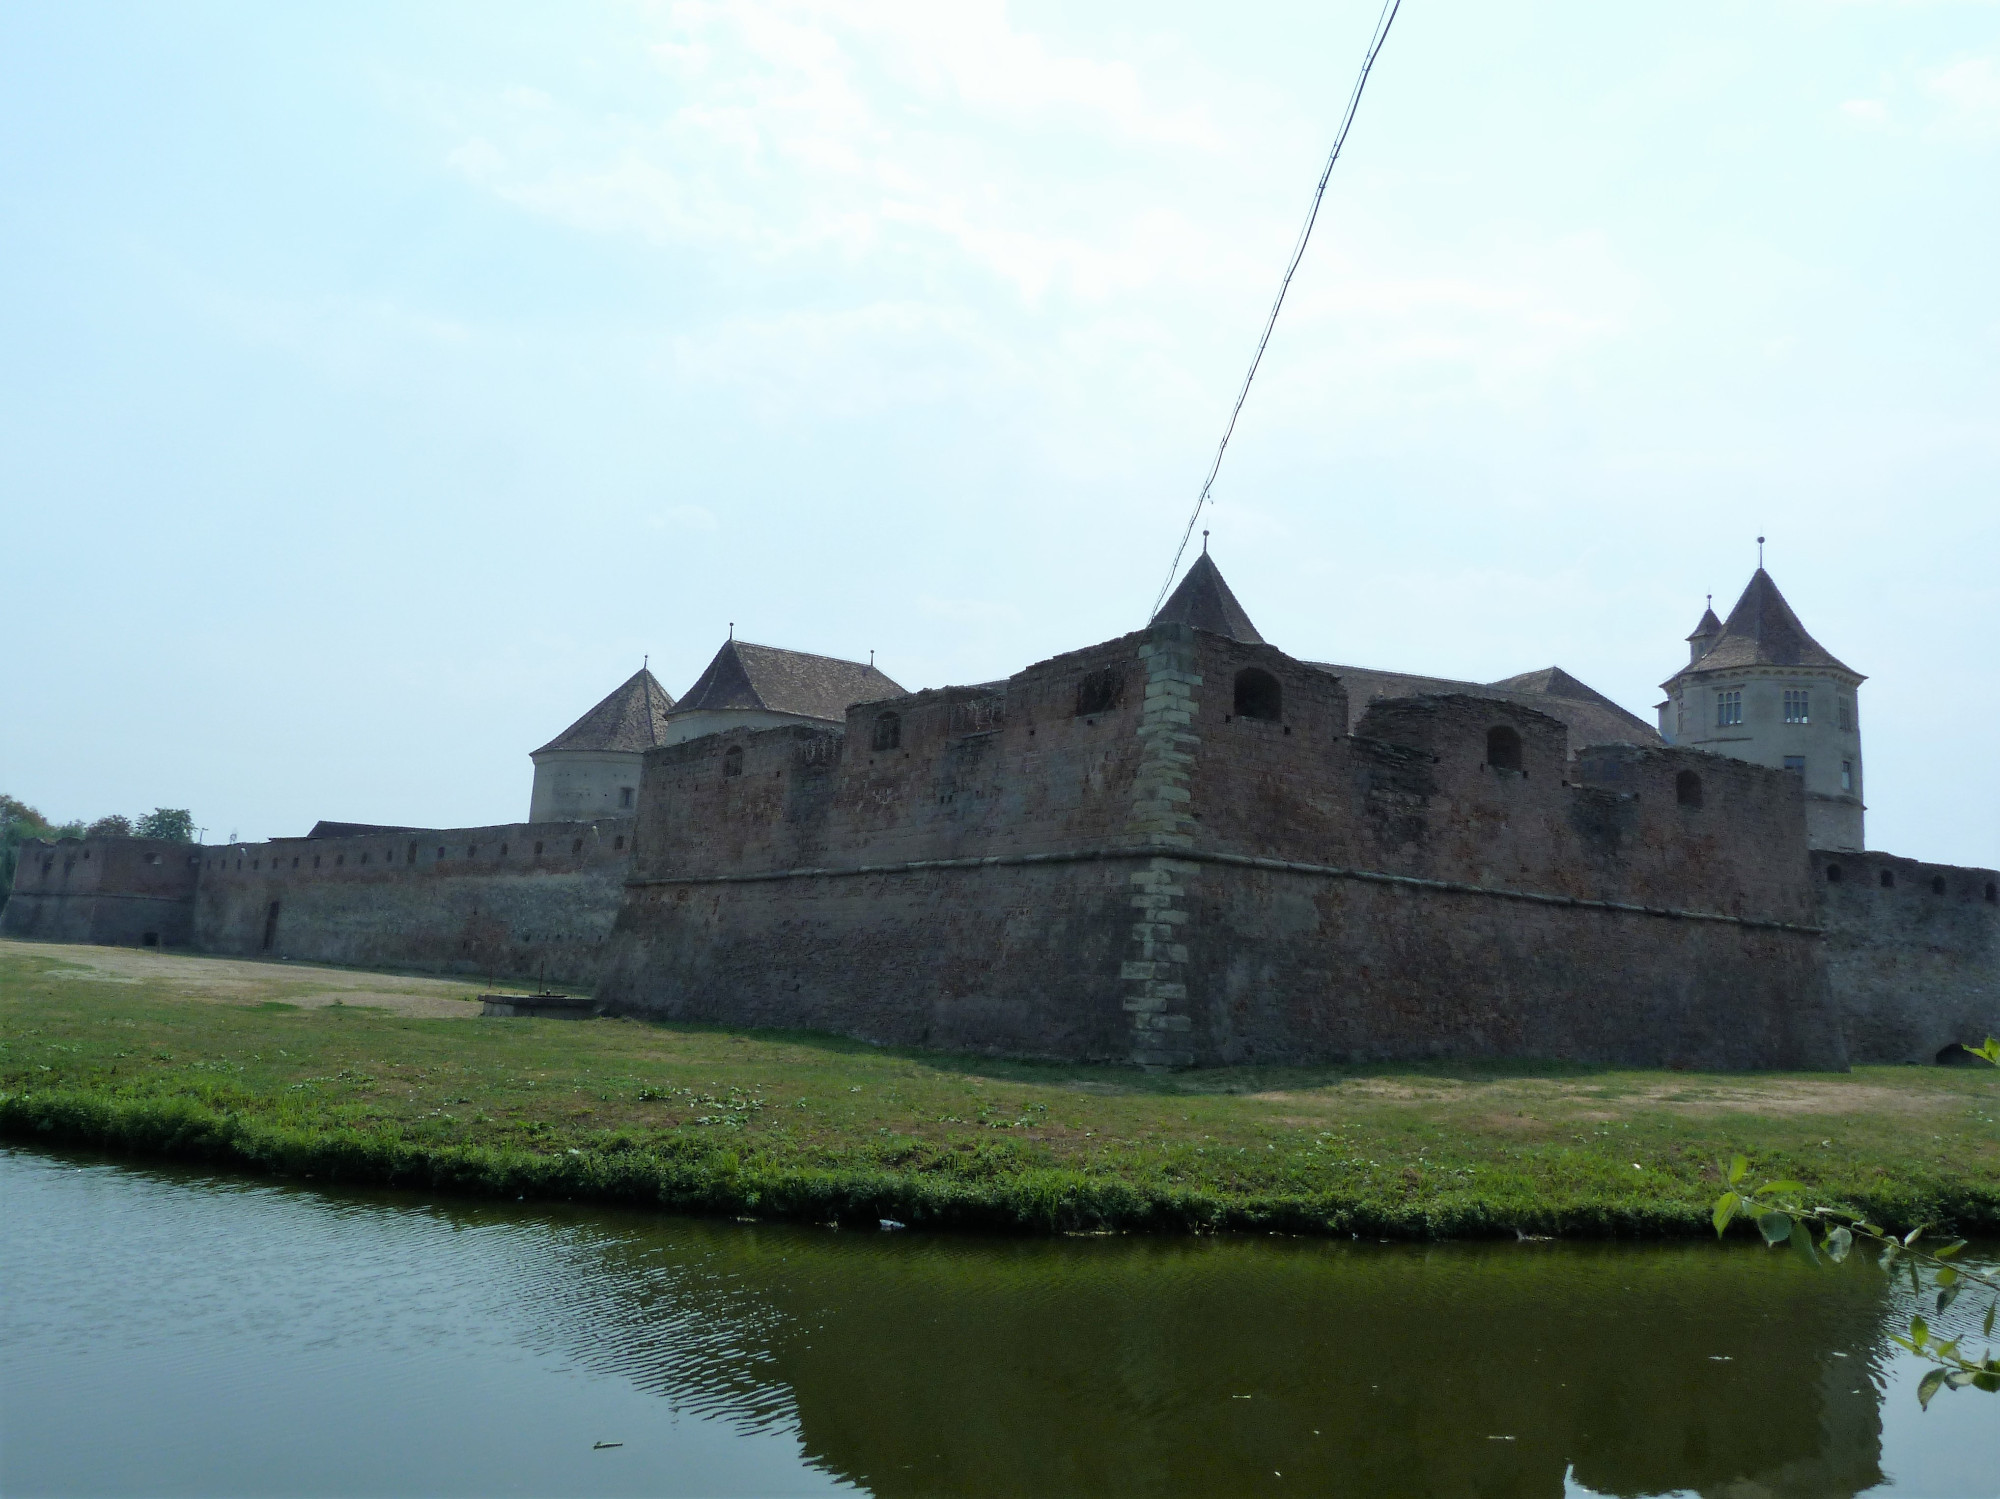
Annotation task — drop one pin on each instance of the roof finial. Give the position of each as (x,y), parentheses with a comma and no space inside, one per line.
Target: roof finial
(1760,554)
(1204,543)
(645,662)
(732,629)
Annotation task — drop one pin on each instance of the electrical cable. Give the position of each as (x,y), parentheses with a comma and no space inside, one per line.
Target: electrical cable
(1381,35)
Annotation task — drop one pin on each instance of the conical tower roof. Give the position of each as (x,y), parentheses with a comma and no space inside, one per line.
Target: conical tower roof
(744,675)
(1204,601)
(632,718)
(1762,631)
(1709,626)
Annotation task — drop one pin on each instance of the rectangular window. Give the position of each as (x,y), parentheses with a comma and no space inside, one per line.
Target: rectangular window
(1798,708)
(624,796)
(1796,763)
(1846,714)
(1728,708)
(1846,775)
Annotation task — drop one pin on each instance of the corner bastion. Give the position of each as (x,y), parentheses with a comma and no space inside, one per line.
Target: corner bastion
(1170,849)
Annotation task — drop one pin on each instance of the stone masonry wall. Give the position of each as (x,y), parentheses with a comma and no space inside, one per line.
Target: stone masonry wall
(1107,859)
(1912,952)
(518,901)
(121,892)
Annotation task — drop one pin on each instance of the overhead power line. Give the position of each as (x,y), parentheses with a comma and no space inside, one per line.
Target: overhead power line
(1381,35)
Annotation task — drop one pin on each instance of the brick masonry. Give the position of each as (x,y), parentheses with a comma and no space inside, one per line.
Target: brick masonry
(1161,874)
(1912,952)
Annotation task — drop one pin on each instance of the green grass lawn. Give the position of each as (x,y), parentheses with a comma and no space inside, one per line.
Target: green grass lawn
(147,1058)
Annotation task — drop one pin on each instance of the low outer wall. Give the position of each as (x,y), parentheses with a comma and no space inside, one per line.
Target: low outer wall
(120,892)
(521,901)
(1915,963)
(1029,960)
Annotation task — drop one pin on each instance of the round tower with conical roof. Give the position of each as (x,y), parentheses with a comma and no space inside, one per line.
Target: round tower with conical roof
(1757,687)
(591,769)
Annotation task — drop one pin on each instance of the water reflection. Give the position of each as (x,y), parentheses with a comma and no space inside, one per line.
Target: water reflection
(910,1365)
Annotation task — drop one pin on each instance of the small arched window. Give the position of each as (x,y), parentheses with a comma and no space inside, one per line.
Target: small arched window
(1503,748)
(1687,789)
(1888,879)
(888,731)
(1937,884)
(1833,875)
(1258,695)
(732,760)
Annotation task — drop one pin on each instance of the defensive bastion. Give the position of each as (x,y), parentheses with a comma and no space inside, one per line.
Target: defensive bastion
(1176,848)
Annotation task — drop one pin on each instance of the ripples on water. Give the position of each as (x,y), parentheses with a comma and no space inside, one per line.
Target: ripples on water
(164,1331)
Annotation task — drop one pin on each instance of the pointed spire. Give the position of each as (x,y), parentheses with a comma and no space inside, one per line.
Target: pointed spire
(1762,630)
(1705,633)
(633,717)
(1204,601)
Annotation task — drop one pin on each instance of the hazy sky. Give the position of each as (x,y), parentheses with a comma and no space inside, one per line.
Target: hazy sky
(379,383)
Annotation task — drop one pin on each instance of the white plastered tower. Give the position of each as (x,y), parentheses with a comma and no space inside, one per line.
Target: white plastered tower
(1757,687)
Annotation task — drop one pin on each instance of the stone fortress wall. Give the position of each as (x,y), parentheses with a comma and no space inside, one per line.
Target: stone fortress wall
(119,892)
(517,901)
(1912,952)
(1119,854)
(1169,849)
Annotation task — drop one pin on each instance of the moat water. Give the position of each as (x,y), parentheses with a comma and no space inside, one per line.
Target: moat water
(166,1331)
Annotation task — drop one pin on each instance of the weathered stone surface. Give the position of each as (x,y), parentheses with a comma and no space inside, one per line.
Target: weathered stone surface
(1915,962)
(1100,884)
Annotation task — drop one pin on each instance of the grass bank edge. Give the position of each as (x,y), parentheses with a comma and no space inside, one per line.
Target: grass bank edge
(715,1182)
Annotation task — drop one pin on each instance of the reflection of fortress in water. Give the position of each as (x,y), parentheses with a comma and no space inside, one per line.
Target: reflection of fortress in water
(921,1367)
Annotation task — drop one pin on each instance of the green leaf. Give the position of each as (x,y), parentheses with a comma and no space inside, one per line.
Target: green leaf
(1888,1260)
(1725,1209)
(1911,1237)
(1775,1227)
(1838,1242)
(1929,1387)
(1946,1276)
(1780,1187)
(1920,1331)
(1958,1379)
(1801,1237)
(1987,1331)
(1947,1296)
(1949,1250)
(1736,1169)
(1987,1382)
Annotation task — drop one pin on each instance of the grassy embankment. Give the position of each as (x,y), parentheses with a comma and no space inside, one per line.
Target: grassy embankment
(246,1065)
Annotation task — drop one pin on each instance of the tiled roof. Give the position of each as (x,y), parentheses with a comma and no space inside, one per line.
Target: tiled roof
(744,675)
(632,719)
(1592,717)
(325,829)
(1204,601)
(1708,626)
(1762,631)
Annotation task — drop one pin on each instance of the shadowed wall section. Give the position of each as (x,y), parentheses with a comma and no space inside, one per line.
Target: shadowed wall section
(1170,849)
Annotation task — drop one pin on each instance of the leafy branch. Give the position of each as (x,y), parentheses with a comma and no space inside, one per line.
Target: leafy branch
(1782,1216)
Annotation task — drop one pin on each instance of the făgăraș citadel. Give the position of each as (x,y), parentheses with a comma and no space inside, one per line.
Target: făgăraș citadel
(1179,847)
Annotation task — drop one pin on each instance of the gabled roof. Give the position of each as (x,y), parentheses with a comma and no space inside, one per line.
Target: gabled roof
(632,719)
(1709,625)
(1590,716)
(744,675)
(325,829)
(1762,631)
(1204,601)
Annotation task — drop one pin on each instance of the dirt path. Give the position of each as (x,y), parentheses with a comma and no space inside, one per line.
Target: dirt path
(239,981)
